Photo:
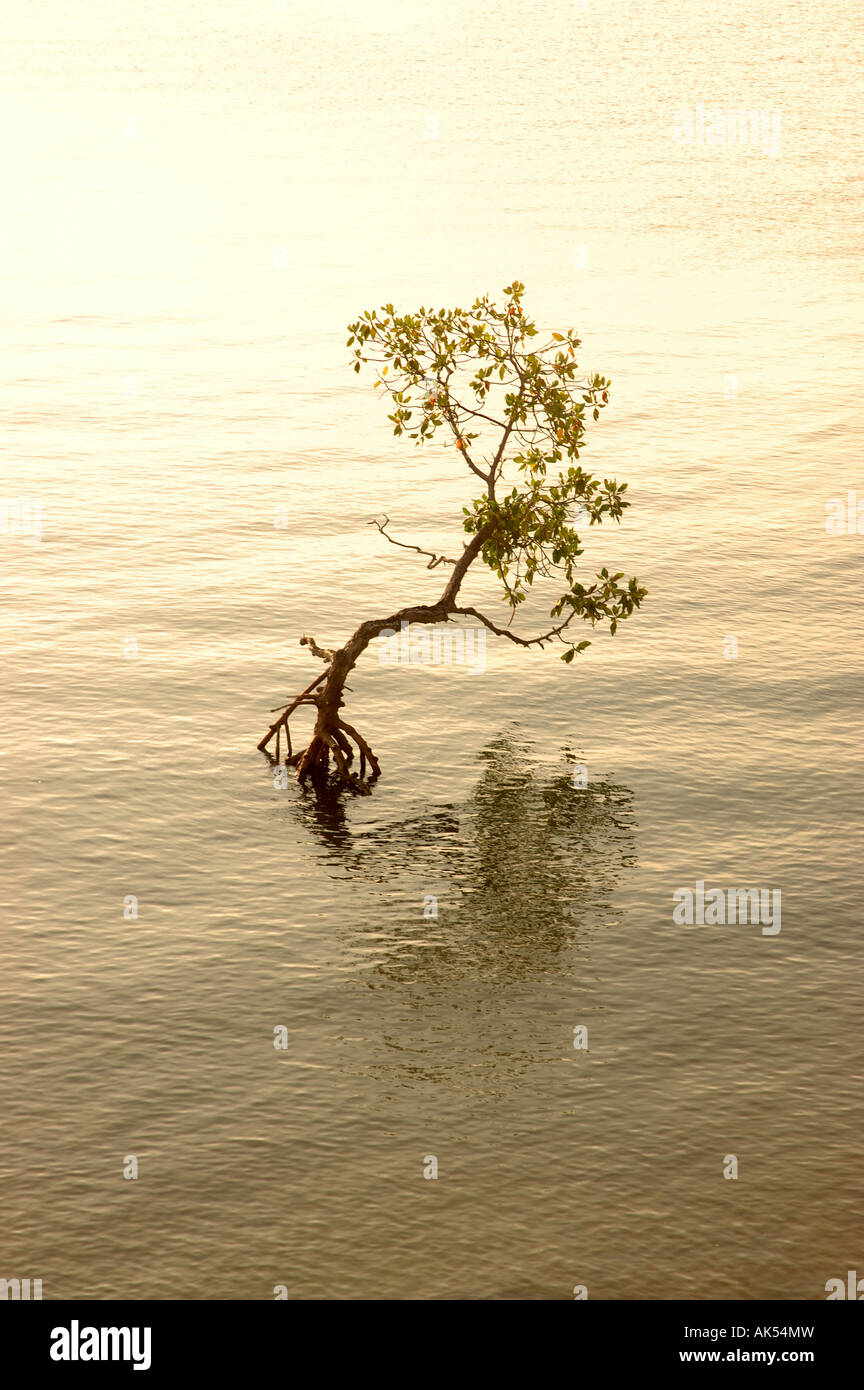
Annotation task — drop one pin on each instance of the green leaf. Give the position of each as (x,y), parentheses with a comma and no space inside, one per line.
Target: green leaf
(531,532)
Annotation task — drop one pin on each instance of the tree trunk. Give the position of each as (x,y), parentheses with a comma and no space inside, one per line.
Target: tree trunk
(332,737)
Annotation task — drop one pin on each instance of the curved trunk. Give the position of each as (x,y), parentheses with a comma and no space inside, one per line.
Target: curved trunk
(332,737)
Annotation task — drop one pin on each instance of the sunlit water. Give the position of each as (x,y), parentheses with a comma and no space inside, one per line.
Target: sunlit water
(198,198)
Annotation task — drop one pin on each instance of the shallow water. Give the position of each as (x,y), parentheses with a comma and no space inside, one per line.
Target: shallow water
(198,203)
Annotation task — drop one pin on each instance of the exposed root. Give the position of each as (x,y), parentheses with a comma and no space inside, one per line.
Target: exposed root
(338,757)
(332,739)
(282,722)
(366,753)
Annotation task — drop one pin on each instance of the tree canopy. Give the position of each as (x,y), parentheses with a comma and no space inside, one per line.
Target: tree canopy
(516,411)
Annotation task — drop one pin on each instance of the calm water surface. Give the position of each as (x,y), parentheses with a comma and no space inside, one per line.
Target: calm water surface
(199,198)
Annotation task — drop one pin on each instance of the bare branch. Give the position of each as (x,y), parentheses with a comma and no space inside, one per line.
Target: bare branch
(435,560)
(323,652)
(500,424)
(504,632)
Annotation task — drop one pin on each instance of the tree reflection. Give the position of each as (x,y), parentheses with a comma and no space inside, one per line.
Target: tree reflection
(520,871)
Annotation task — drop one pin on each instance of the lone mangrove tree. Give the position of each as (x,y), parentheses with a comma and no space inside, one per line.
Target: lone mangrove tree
(516,413)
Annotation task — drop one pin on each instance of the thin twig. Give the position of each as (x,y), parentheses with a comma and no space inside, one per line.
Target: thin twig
(436,558)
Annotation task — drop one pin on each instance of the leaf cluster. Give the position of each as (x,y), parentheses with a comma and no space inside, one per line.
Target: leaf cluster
(516,409)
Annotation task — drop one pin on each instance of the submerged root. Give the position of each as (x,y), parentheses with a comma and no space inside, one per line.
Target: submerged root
(331,743)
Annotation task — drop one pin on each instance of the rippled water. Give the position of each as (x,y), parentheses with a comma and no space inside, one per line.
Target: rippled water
(199,198)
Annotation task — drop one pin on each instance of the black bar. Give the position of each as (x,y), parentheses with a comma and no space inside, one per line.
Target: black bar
(232,1338)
